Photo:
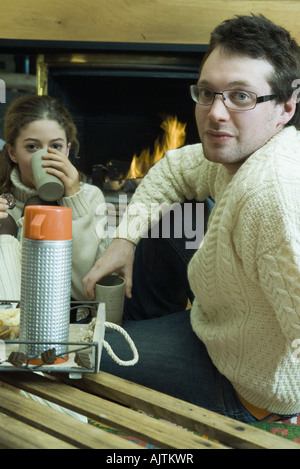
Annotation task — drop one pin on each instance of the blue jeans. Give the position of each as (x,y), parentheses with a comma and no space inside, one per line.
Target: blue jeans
(172,359)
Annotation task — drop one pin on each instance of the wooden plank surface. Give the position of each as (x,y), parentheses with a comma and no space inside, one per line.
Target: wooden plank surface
(88,400)
(228,431)
(157,432)
(17,435)
(151,21)
(64,427)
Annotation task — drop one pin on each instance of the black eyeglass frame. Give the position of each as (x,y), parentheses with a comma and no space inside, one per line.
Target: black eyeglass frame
(259,99)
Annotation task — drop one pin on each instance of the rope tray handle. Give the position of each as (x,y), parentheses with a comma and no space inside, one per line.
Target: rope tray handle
(112,354)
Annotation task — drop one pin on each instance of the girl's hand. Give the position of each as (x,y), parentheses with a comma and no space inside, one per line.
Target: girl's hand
(3,208)
(59,165)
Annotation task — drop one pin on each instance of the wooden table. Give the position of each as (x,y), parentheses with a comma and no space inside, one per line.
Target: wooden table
(112,401)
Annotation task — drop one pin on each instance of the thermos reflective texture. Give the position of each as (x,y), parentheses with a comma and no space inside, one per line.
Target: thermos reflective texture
(46,280)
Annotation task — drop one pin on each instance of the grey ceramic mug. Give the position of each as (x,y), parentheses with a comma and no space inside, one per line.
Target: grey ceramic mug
(111,291)
(49,187)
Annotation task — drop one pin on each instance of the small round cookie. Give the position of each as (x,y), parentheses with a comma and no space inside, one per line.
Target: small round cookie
(11,201)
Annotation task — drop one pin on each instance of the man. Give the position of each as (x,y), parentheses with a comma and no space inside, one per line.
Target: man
(234,353)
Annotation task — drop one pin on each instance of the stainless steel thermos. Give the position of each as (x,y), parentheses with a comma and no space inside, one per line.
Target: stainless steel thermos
(46,281)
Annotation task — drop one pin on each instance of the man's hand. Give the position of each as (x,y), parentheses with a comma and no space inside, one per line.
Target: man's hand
(118,257)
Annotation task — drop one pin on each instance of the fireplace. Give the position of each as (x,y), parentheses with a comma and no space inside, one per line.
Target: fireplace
(119,99)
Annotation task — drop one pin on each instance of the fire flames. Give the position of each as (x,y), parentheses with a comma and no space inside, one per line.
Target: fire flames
(173,137)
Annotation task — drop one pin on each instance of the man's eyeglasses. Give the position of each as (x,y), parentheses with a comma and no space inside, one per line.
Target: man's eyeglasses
(238,100)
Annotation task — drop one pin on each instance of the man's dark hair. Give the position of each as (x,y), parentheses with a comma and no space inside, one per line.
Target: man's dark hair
(257,37)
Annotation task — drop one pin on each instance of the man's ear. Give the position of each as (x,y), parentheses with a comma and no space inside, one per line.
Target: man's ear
(287,112)
(11,153)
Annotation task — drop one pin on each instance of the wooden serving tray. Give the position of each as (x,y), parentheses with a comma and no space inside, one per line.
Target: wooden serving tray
(83,356)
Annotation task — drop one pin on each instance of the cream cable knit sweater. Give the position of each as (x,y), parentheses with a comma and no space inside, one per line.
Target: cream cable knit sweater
(246,274)
(88,224)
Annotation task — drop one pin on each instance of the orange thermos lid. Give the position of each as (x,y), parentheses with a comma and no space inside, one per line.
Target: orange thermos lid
(47,222)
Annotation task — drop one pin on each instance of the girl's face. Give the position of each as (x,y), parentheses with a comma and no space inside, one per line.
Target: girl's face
(38,135)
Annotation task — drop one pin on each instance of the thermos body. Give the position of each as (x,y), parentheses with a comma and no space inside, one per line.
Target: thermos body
(45,295)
